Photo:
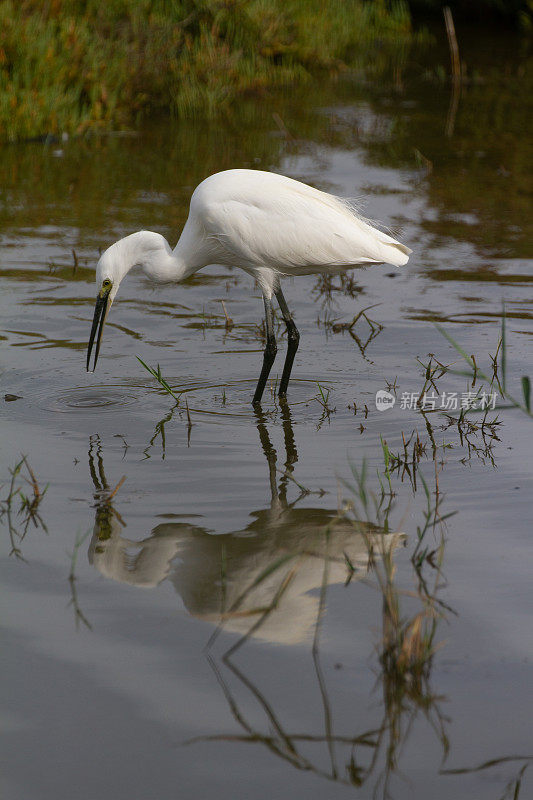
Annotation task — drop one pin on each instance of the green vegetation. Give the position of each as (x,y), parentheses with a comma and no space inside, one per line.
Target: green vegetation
(494,380)
(74,65)
(18,520)
(156,373)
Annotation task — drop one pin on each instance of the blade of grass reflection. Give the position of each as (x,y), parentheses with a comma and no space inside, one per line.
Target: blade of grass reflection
(328,722)
(79,616)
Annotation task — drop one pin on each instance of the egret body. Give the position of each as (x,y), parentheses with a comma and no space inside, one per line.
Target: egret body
(268,225)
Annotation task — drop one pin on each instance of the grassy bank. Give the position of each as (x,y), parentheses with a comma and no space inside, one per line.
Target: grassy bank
(75,65)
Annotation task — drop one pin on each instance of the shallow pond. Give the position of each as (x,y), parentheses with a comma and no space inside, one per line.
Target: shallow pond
(212,602)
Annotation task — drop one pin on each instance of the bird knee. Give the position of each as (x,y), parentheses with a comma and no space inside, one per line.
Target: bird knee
(294,335)
(270,350)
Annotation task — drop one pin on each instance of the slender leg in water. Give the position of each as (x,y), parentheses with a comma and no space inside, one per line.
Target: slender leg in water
(293,341)
(270,350)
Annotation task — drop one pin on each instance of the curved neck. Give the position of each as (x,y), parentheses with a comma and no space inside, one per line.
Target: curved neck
(164,266)
(153,254)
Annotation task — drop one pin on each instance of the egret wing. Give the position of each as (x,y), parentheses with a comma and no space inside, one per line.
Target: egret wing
(295,232)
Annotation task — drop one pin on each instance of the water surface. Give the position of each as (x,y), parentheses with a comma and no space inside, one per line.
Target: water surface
(111,691)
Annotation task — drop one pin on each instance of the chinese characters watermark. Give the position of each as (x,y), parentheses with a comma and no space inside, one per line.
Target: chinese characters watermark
(446,401)
(449,401)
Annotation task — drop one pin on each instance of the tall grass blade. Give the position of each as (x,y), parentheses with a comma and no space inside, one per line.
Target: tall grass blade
(455,344)
(504,352)
(156,373)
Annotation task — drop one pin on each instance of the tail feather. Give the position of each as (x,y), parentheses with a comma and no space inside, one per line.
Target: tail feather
(397,253)
(387,249)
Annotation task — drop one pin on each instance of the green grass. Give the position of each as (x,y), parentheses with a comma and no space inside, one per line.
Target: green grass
(18,520)
(498,369)
(78,65)
(156,373)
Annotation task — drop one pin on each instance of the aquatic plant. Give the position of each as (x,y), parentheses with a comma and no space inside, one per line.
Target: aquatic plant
(74,65)
(498,368)
(156,373)
(322,398)
(28,505)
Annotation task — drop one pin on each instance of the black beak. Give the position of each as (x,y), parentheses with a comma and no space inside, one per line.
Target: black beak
(100,313)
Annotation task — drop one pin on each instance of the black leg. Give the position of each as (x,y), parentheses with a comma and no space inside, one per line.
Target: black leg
(270,350)
(291,452)
(270,454)
(293,341)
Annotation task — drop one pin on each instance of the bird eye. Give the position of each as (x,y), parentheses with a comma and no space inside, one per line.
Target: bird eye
(106,283)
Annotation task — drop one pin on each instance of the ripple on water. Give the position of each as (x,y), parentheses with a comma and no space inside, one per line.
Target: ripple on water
(211,402)
(94,398)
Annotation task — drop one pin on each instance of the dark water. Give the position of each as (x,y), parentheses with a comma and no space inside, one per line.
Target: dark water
(234,516)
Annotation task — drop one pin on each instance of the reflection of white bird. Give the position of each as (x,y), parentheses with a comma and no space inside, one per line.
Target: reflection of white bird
(194,560)
(316,544)
(236,576)
(270,226)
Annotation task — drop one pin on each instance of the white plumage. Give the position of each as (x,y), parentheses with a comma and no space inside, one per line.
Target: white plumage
(268,225)
(261,219)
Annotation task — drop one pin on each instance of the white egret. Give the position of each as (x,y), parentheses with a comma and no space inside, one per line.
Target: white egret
(268,225)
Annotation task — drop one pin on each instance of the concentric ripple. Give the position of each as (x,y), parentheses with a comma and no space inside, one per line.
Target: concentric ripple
(93,398)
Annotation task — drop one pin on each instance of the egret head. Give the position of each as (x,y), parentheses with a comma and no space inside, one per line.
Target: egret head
(110,270)
(114,264)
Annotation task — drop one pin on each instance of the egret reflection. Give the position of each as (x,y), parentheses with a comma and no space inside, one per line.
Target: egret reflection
(236,577)
(269,582)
